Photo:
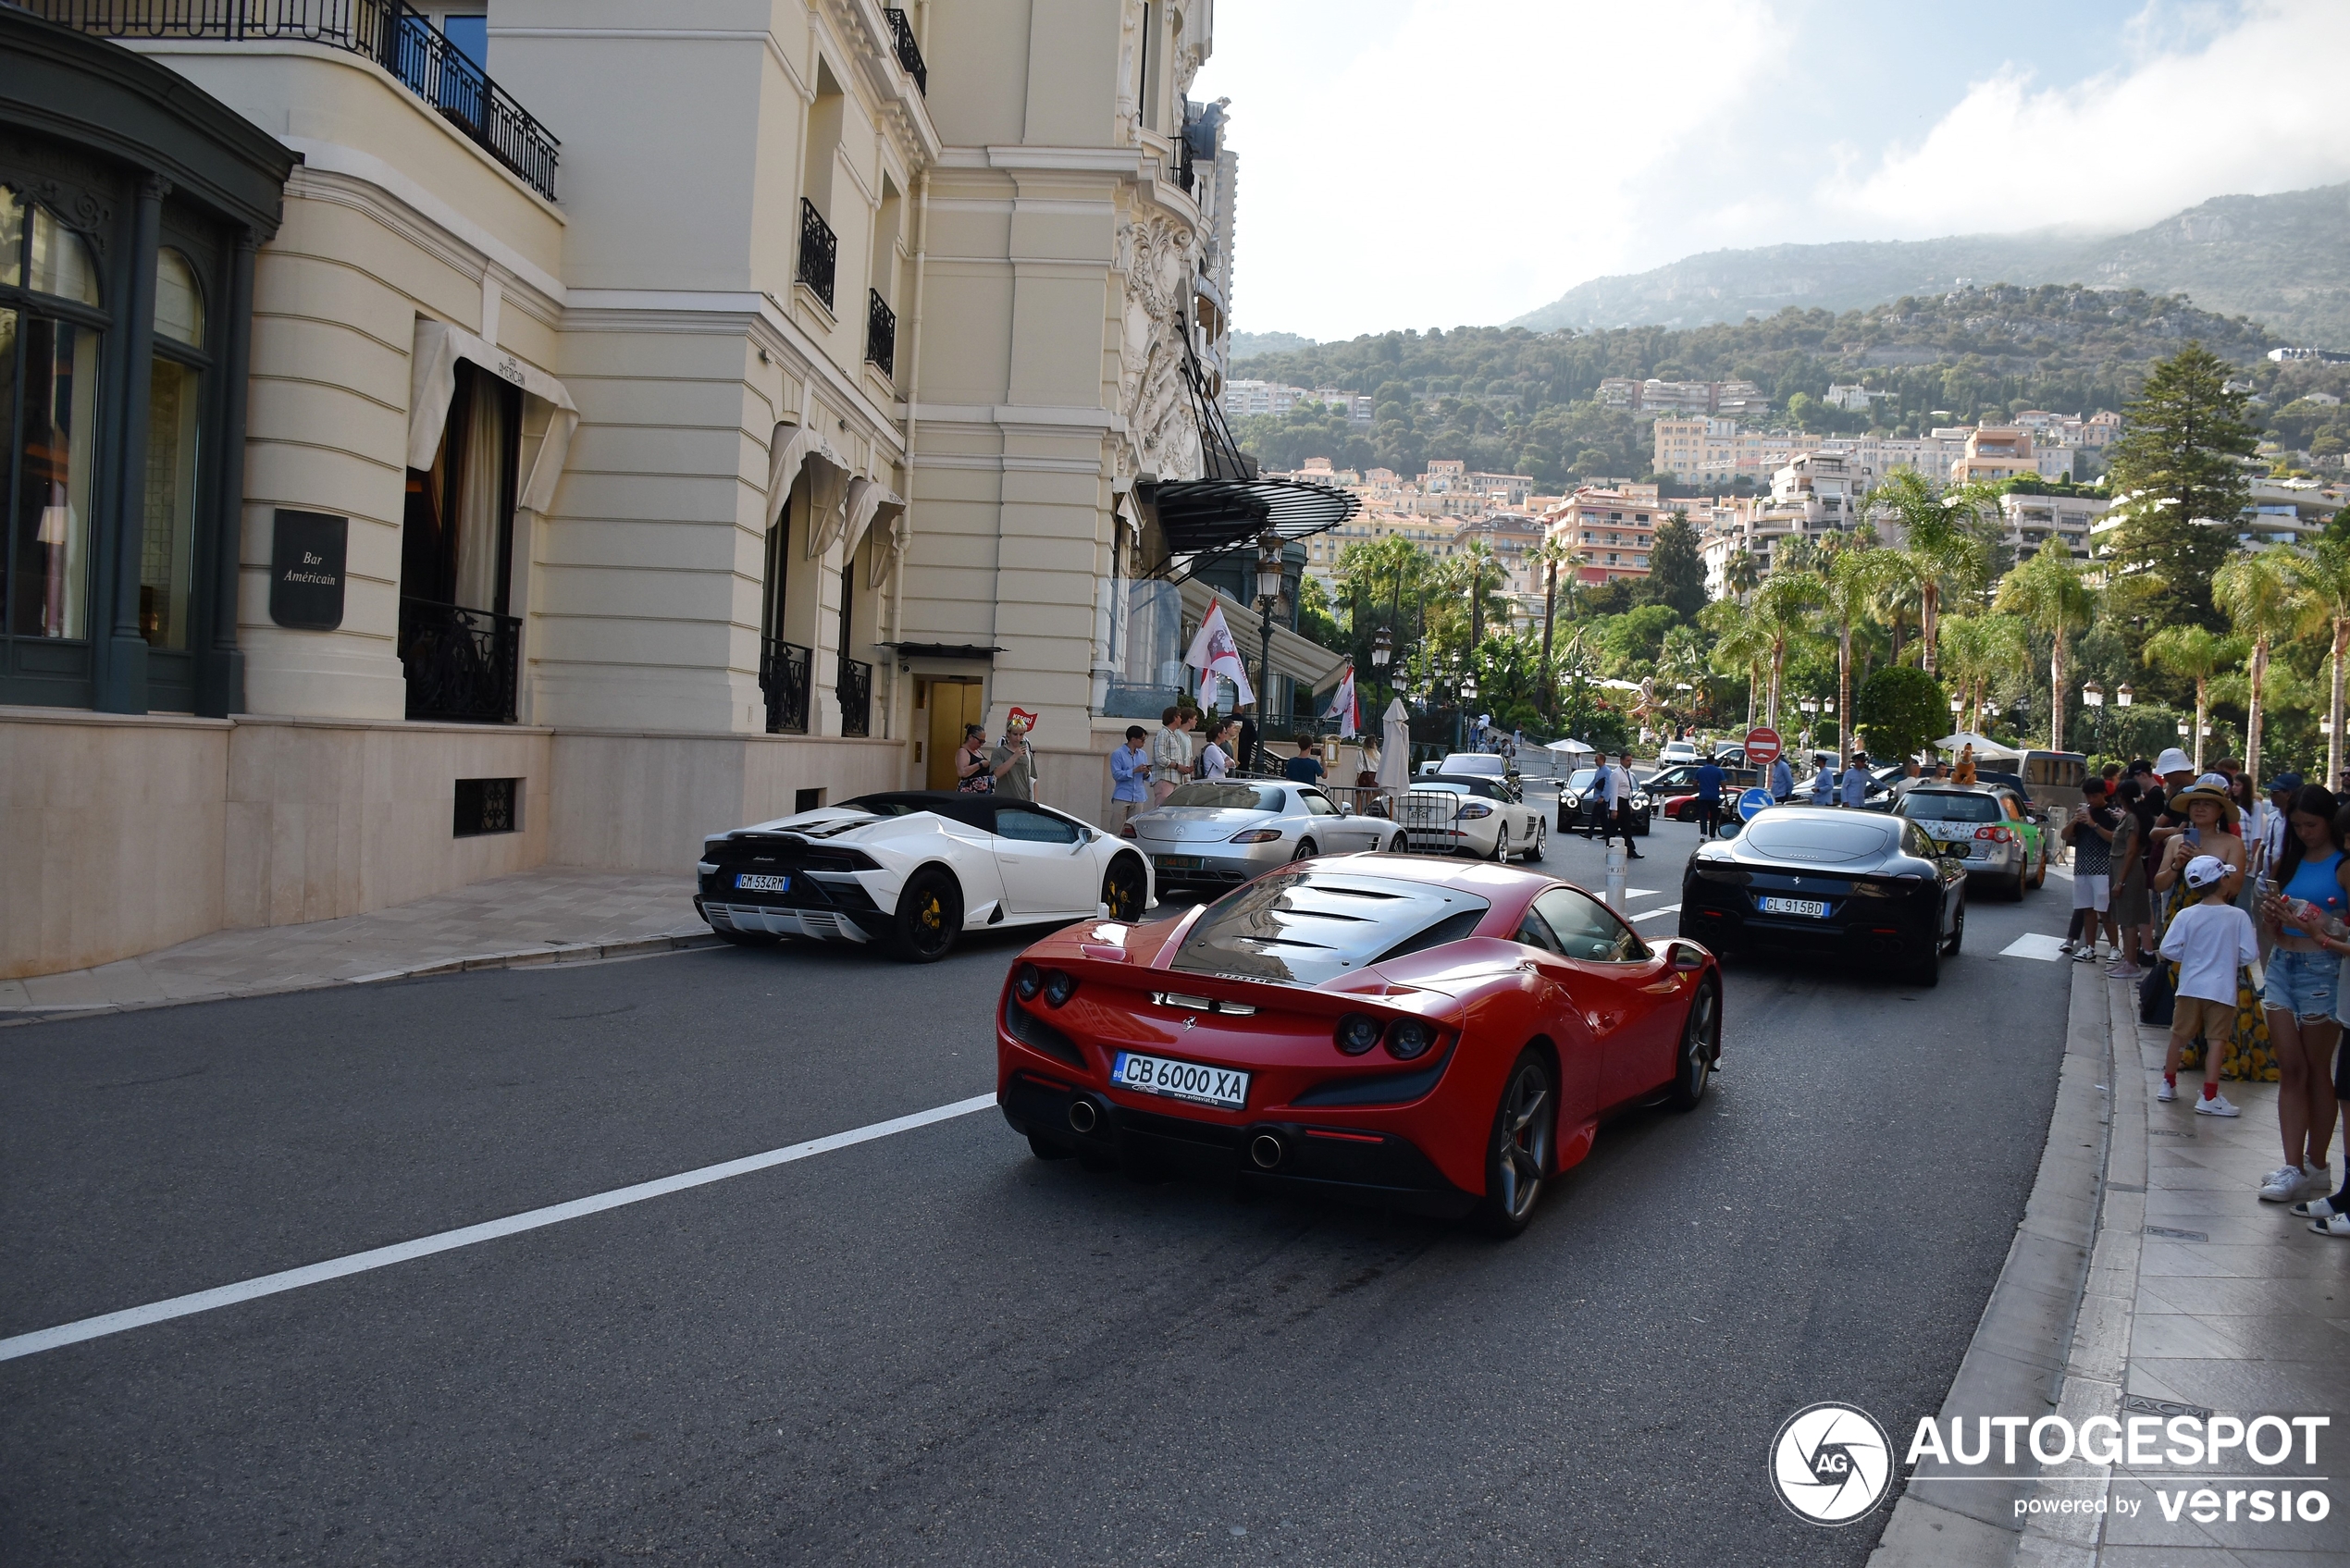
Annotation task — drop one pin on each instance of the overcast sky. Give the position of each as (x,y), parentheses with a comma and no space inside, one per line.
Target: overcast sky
(1438,163)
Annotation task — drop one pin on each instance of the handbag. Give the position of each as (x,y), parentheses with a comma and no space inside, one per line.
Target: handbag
(2156,996)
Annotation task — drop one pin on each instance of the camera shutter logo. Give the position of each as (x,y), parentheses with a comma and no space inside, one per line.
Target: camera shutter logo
(1831,1463)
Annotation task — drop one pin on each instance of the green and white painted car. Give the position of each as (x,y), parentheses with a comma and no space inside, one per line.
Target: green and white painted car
(1986,827)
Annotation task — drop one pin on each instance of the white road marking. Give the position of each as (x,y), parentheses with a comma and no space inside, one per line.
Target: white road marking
(1660,909)
(1640,892)
(466,1236)
(2034,944)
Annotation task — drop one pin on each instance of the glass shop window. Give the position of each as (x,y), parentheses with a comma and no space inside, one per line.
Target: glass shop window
(166,558)
(49,397)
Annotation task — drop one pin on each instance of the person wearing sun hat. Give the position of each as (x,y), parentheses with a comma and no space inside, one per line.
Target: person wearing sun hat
(2209,814)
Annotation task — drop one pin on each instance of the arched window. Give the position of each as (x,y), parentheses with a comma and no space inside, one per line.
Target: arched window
(178,300)
(49,356)
(61,263)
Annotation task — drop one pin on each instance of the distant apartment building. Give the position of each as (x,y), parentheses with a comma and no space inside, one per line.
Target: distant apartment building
(1699,451)
(1513,538)
(2034,523)
(1245,399)
(1610,531)
(2006,452)
(1734,400)
(1356,406)
(1373,524)
(1853,398)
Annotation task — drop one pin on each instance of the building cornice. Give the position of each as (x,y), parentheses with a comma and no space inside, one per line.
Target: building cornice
(331,172)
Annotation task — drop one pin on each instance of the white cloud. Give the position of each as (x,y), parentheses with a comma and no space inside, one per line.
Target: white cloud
(1455,163)
(2244,110)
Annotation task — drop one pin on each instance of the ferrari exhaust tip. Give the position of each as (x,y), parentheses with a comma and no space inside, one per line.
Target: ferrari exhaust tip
(1082,1117)
(1265,1150)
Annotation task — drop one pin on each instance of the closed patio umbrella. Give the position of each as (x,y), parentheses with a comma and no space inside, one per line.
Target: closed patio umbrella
(1395,747)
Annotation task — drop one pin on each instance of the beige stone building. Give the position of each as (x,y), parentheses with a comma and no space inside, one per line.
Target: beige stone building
(695,415)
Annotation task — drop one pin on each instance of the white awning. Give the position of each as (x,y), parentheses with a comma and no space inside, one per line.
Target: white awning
(432,382)
(792,447)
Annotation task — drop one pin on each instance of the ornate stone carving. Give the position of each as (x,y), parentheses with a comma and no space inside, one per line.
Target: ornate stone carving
(77,190)
(1155,253)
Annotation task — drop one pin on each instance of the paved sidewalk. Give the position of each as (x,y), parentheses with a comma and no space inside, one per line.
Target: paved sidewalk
(555,914)
(2196,1299)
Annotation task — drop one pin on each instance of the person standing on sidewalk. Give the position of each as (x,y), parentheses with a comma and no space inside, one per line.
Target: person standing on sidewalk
(1015,763)
(2090,832)
(2211,940)
(1129,769)
(1170,754)
(1782,778)
(1854,789)
(1599,801)
(972,773)
(2210,818)
(1216,762)
(2302,980)
(2330,1217)
(2126,868)
(1710,779)
(1823,787)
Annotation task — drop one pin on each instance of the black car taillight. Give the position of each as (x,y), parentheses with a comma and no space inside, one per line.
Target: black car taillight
(1357,1033)
(1407,1038)
(1027,981)
(1059,986)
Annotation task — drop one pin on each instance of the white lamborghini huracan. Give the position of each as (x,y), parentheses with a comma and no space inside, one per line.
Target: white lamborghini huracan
(913,870)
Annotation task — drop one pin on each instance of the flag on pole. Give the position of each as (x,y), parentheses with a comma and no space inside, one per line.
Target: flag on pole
(1215,653)
(1342,706)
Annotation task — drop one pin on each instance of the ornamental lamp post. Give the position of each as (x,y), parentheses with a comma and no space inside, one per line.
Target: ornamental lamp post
(2094,694)
(1269,550)
(1383,650)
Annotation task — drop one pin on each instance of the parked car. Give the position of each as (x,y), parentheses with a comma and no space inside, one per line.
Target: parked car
(1875,891)
(1677,751)
(1444,1039)
(1485,817)
(1224,832)
(1977,824)
(913,870)
(1578,783)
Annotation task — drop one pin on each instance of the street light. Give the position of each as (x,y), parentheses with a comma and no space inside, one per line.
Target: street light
(2094,694)
(1382,652)
(2121,697)
(1270,548)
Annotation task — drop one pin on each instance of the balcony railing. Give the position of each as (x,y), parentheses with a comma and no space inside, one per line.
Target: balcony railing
(909,54)
(387,31)
(782,675)
(819,251)
(881,332)
(856,693)
(461,662)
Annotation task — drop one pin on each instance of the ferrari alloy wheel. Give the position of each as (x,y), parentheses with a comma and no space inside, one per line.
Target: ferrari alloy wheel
(1534,850)
(930,913)
(1122,889)
(1500,844)
(1701,1048)
(1958,934)
(1519,1155)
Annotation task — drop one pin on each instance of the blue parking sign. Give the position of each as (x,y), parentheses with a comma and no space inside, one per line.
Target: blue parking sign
(1751,803)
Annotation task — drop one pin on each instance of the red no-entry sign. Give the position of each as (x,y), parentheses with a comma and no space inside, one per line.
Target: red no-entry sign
(1761,746)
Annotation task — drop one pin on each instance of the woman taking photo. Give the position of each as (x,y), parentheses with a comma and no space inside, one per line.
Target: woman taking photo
(2211,816)
(974,771)
(2303,983)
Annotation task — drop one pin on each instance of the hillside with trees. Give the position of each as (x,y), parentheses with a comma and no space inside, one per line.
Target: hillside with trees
(1509,400)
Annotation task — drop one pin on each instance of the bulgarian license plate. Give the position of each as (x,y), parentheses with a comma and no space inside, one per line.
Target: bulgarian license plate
(1811,907)
(761,881)
(1181,1081)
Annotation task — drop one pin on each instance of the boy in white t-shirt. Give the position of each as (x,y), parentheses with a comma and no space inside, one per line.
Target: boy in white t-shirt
(2211,939)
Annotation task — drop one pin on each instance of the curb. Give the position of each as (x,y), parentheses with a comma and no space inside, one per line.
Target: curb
(2032,1330)
(520,958)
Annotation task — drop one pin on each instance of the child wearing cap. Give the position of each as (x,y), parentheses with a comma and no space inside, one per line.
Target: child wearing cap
(2211,939)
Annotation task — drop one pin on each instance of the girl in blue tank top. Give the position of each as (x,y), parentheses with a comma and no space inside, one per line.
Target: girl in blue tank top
(2300,997)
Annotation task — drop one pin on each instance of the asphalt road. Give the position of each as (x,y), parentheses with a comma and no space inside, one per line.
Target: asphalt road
(932,1347)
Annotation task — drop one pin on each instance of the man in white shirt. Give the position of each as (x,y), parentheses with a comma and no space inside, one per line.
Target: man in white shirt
(1622,795)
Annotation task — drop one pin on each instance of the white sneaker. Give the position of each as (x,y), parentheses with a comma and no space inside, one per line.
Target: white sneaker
(2085,955)
(2168,1093)
(2066,947)
(2281,1184)
(2317,1178)
(2217,1106)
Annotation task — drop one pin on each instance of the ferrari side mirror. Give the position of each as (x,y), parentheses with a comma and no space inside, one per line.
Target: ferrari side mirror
(1689,959)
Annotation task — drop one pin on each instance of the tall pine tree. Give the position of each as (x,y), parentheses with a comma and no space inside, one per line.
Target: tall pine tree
(2178,460)
(1676,572)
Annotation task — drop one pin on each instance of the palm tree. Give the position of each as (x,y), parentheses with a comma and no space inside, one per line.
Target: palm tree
(2323,580)
(1740,645)
(2193,653)
(2260,594)
(1854,579)
(1551,554)
(2048,592)
(1976,650)
(1941,540)
(1740,573)
(1782,613)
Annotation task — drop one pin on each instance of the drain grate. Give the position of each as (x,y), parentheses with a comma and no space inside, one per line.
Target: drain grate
(2139,1404)
(2176,1235)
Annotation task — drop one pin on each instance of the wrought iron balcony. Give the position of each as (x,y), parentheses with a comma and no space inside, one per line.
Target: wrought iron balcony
(909,54)
(819,252)
(881,332)
(782,675)
(460,663)
(856,693)
(387,31)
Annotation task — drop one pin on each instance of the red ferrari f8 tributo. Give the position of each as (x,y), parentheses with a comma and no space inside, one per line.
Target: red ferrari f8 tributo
(1441,1036)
